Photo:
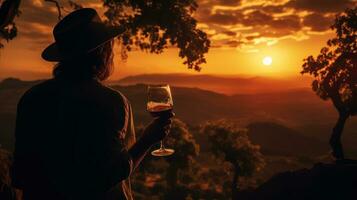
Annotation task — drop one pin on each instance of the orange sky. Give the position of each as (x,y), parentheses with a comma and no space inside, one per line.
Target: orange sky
(242,34)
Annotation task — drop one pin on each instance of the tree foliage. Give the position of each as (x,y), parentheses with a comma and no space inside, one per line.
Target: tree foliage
(335,73)
(178,171)
(6,191)
(335,68)
(231,144)
(5,162)
(183,160)
(155,25)
(8,11)
(151,26)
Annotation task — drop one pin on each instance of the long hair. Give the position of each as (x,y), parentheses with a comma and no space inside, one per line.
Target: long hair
(97,64)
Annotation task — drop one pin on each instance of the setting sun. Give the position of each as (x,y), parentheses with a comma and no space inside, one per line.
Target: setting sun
(267,60)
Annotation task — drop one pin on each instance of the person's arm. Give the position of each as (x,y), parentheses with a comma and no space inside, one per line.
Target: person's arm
(123,162)
(120,161)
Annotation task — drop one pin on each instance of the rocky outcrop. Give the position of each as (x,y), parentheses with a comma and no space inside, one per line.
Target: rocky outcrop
(322,181)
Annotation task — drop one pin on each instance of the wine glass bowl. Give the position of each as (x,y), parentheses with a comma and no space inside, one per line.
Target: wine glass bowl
(160,104)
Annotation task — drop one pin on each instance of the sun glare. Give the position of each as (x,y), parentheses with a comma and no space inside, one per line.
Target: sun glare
(267,60)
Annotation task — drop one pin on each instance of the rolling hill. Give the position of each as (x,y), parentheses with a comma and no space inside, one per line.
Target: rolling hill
(276,139)
(295,120)
(221,84)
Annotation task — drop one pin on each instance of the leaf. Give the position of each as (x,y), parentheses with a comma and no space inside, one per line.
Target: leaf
(315,85)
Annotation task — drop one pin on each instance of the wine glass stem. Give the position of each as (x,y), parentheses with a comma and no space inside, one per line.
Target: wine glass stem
(162,147)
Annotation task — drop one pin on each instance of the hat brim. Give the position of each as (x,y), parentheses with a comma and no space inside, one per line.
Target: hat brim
(52,53)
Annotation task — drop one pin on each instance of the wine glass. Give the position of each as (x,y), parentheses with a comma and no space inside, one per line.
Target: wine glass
(160,104)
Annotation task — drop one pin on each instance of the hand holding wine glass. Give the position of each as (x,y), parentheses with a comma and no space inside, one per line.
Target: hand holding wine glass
(157,130)
(160,106)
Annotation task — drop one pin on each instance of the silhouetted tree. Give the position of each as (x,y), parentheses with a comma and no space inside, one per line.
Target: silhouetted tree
(335,73)
(151,26)
(232,144)
(8,11)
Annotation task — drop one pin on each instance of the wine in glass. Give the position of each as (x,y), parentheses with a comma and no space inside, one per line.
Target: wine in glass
(160,104)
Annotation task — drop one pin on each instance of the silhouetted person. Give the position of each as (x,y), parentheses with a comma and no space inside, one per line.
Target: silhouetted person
(74,136)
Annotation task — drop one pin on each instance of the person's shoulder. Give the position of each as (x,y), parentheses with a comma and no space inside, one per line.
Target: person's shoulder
(113,94)
(43,85)
(37,90)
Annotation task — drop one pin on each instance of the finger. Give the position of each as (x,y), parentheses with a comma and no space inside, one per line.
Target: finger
(172,114)
(164,121)
(166,129)
(167,132)
(167,123)
(166,126)
(167,115)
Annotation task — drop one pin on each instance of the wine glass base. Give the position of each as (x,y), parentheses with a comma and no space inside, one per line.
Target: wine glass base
(162,152)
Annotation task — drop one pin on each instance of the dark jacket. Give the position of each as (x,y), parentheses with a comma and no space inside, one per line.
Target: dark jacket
(71,142)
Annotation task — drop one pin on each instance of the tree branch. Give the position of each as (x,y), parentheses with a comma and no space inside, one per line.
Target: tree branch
(8,11)
(58,8)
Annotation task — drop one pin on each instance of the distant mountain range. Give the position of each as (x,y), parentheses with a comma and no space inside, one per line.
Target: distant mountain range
(221,84)
(289,122)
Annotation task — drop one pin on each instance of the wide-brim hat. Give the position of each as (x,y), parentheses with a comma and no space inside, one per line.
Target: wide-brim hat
(79,33)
